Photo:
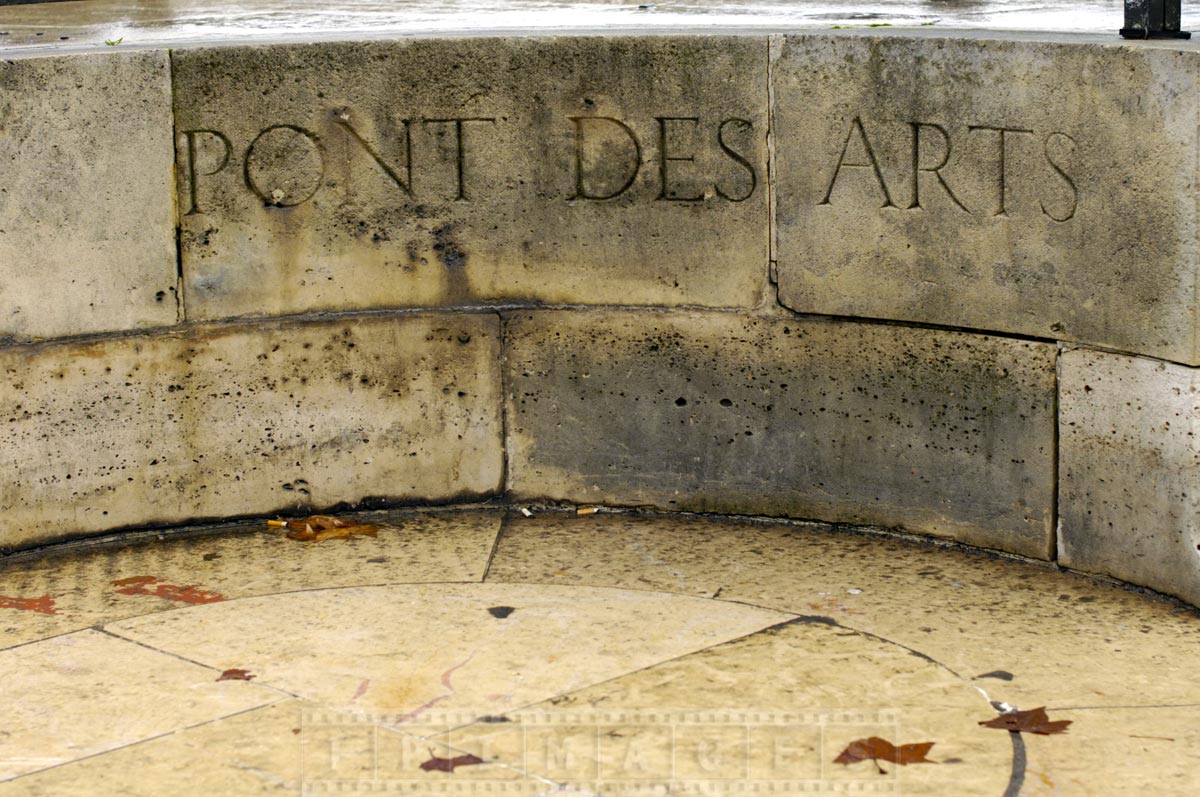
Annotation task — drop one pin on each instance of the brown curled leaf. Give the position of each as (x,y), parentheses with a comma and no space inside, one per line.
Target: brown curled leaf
(877,749)
(1033,720)
(236,675)
(438,764)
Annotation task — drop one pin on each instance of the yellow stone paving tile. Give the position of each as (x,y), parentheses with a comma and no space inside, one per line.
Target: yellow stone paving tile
(290,747)
(1117,751)
(777,707)
(1063,639)
(411,547)
(397,653)
(84,693)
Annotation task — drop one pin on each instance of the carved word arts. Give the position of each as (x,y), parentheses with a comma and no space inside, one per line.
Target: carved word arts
(932,151)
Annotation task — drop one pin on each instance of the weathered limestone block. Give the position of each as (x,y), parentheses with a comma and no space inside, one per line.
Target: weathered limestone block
(1129,484)
(1031,187)
(936,432)
(227,421)
(87,220)
(461,171)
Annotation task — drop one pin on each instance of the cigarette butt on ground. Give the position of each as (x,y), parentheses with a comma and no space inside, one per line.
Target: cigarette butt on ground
(526,512)
(587,510)
(279,524)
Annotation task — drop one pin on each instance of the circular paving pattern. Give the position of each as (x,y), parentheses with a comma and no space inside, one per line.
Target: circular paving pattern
(479,651)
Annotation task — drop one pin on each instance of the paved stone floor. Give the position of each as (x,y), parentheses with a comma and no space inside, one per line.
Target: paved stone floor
(478,651)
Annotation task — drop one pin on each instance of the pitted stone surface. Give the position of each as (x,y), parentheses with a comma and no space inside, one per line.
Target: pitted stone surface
(1130,470)
(461,171)
(229,421)
(87,222)
(1044,189)
(936,432)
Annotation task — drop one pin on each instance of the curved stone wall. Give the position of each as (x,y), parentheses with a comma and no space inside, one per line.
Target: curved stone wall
(941,284)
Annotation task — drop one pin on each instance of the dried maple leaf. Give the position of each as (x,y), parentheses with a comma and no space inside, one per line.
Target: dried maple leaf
(236,675)
(876,749)
(322,527)
(437,764)
(1032,721)
(42,605)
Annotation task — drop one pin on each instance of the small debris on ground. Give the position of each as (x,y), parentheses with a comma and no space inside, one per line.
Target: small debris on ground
(322,527)
(236,675)
(587,510)
(854,591)
(500,612)
(526,512)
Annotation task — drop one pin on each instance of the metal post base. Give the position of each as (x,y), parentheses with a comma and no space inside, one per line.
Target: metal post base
(1136,33)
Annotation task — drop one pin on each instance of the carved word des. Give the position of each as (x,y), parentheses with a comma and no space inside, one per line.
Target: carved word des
(296,157)
(622,158)
(932,152)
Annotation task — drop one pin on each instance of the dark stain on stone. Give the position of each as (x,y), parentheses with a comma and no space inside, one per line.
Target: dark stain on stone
(1003,675)
(816,619)
(500,612)
(454,259)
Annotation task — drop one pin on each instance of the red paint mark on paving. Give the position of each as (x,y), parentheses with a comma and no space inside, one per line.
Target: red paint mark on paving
(446,676)
(362,689)
(149,585)
(42,605)
(236,675)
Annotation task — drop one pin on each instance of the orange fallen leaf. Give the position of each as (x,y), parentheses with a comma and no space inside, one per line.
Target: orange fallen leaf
(322,527)
(876,749)
(42,605)
(141,585)
(1033,720)
(236,675)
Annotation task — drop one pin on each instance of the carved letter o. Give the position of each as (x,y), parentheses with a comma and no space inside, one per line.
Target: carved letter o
(281,162)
